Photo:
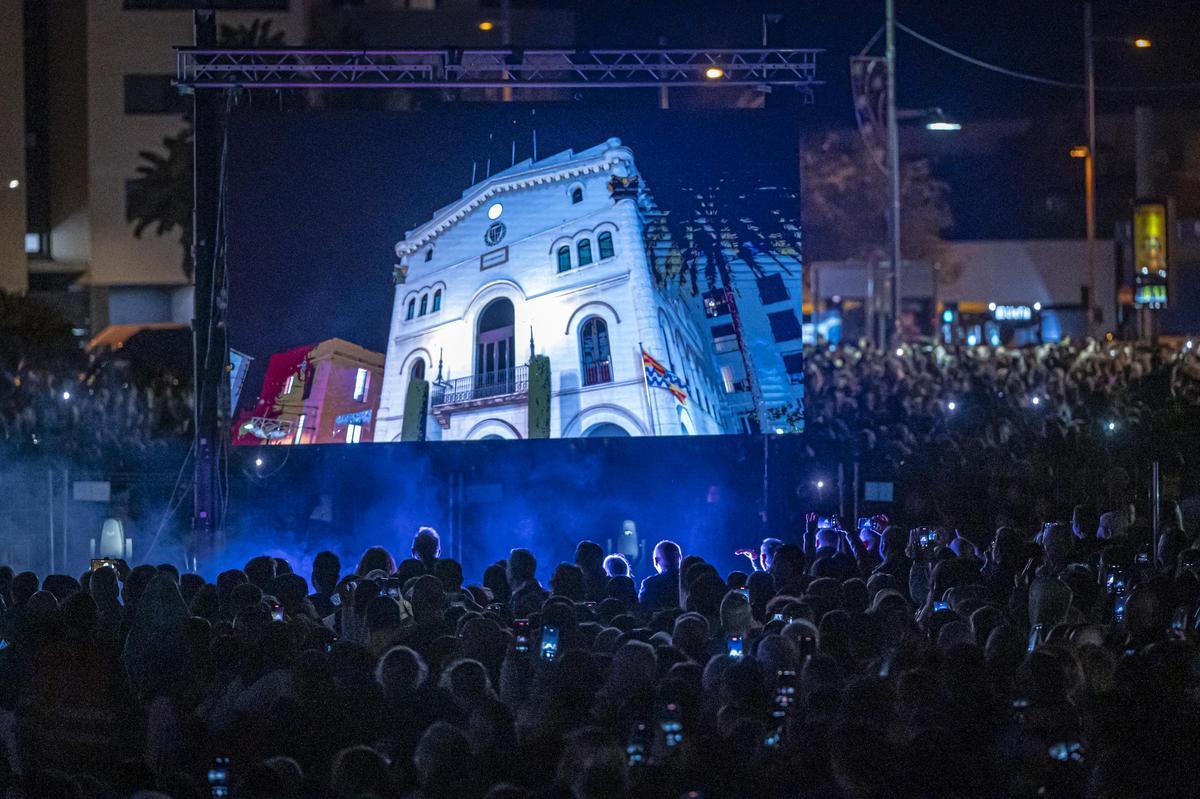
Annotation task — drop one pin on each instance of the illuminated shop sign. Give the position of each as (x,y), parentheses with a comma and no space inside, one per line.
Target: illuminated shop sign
(358,417)
(1150,254)
(1012,313)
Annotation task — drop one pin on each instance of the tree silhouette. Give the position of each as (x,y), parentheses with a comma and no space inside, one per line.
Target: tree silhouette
(845,201)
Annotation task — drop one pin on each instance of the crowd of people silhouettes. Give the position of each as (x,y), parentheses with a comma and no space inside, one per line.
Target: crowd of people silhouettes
(876,662)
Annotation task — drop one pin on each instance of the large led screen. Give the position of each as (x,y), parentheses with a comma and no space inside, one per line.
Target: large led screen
(482,271)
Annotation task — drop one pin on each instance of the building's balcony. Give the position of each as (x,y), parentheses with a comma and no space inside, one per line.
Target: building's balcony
(267,429)
(597,372)
(502,387)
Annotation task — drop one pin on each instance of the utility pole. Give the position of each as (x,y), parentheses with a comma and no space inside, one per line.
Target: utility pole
(208,330)
(506,93)
(1089,167)
(893,146)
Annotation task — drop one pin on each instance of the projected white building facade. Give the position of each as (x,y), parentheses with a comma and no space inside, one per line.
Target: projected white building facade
(549,255)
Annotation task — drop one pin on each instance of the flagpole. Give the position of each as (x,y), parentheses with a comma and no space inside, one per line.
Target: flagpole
(646,388)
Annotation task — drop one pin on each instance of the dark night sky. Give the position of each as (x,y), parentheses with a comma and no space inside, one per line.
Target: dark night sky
(1043,37)
(318,200)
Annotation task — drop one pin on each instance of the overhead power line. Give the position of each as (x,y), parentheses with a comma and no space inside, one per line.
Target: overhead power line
(1012,73)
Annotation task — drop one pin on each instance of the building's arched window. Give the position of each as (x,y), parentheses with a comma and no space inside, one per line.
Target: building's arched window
(594,351)
(605,241)
(495,348)
(585,252)
(412,308)
(564,258)
(424,305)
(662,328)
(437,301)
(577,195)
(418,370)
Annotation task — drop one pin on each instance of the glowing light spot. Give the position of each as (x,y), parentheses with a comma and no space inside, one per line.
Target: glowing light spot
(486,25)
(714,73)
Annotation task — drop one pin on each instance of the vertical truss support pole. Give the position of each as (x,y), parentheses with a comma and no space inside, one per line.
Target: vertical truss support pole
(208,333)
(893,147)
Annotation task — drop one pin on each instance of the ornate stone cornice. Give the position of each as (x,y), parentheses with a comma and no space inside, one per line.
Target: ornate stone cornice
(535,175)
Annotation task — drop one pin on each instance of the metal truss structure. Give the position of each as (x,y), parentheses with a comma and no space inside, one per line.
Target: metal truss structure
(199,68)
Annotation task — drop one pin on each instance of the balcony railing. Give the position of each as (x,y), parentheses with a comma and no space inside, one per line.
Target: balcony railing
(598,372)
(481,387)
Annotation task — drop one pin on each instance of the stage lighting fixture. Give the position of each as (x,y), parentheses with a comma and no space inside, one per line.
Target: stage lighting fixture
(820,484)
(486,25)
(714,73)
(258,462)
(66,395)
(1037,306)
(951,405)
(899,352)
(1036,400)
(991,306)
(1111,426)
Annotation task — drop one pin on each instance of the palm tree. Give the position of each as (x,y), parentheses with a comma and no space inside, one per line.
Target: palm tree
(161,195)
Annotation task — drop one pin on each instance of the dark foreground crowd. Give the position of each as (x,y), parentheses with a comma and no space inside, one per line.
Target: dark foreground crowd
(866,663)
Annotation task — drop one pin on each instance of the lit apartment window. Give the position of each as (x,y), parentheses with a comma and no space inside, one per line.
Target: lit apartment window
(353,433)
(727,378)
(290,384)
(299,429)
(724,338)
(362,381)
(714,303)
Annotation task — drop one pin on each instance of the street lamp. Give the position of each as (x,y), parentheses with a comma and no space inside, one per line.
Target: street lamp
(940,122)
(1089,68)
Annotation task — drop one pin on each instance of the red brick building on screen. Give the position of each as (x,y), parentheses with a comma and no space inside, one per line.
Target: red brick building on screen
(326,393)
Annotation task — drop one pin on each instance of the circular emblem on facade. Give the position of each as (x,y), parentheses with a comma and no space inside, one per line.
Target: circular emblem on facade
(494,234)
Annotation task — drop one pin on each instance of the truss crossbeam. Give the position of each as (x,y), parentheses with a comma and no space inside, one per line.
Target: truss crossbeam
(452,68)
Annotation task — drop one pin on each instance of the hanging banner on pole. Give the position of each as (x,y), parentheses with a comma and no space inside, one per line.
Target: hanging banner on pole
(1151,256)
